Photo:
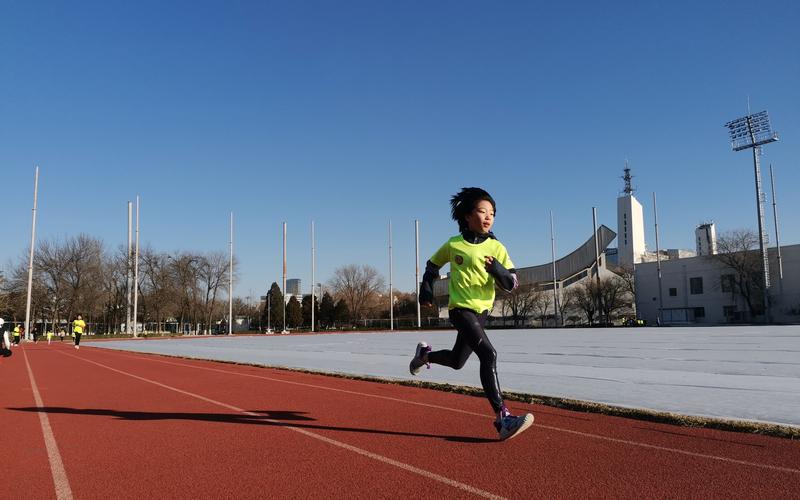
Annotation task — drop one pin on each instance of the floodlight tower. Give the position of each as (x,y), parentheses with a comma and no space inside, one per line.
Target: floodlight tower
(752,132)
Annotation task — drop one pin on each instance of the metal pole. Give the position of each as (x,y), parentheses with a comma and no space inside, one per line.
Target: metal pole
(128,269)
(596,257)
(596,245)
(658,265)
(553,254)
(136,276)
(391,292)
(762,234)
(284,278)
(416,280)
(313,277)
(28,334)
(777,230)
(230,286)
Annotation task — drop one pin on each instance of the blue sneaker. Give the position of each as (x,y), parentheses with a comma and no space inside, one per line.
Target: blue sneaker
(420,358)
(509,426)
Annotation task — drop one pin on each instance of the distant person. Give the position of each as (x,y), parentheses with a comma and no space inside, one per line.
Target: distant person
(77,330)
(61,334)
(49,336)
(6,347)
(477,261)
(18,331)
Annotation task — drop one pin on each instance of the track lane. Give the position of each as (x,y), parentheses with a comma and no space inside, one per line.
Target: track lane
(26,472)
(165,442)
(621,470)
(565,454)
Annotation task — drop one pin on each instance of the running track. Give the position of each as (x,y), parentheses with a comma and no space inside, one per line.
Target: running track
(95,423)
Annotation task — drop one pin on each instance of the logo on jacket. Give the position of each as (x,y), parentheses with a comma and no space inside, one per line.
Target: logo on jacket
(459,260)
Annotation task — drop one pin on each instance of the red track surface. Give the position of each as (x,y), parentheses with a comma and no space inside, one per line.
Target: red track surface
(140,426)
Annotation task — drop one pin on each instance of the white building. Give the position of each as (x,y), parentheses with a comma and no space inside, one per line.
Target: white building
(630,226)
(706,237)
(699,290)
(293,286)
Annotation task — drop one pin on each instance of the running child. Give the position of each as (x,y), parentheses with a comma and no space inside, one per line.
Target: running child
(77,330)
(477,262)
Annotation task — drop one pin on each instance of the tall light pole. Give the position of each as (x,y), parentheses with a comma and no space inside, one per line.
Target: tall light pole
(128,269)
(416,276)
(28,334)
(136,275)
(284,279)
(553,256)
(313,276)
(230,285)
(658,265)
(752,132)
(777,230)
(391,292)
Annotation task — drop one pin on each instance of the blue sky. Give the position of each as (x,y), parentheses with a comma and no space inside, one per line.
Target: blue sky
(354,113)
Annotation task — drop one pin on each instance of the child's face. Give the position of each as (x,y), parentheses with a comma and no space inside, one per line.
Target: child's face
(481,219)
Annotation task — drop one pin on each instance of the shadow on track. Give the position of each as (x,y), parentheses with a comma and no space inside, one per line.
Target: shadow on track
(265,417)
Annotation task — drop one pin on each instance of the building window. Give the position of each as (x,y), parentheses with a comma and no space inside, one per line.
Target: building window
(696,286)
(727,282)
(673,292)
(699,312)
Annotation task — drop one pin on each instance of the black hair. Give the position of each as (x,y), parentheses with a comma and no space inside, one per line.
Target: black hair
(464,202)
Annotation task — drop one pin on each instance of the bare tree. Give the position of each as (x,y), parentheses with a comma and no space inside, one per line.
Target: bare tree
(586,298)
(613,295)
(213,274)
(567,301)
(519,304)
(541,301)
(358,286)
(158,286)
(736,251)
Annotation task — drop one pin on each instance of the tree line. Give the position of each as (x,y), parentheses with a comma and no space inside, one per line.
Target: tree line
(78,275)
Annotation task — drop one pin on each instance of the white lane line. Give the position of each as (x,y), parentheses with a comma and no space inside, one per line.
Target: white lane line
(60,480)
(380,458)
(558,429)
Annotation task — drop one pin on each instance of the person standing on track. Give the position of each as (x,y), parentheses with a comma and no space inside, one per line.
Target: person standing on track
(477,262)
(6,342)
(18,331)
(77,330)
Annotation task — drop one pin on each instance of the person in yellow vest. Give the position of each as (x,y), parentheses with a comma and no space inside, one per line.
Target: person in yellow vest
(478,262)
(49,336)
(77,330)
(18,333)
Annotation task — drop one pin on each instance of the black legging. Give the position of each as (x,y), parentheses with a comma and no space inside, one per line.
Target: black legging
(472,338)
(77,338)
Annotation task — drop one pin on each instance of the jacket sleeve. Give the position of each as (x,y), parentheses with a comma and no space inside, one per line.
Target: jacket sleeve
(426,287)
(506,278)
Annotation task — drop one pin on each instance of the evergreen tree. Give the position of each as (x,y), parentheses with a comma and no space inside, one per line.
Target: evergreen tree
(294,313)
(306,305)
(272,314)
(326,311)
(341,314)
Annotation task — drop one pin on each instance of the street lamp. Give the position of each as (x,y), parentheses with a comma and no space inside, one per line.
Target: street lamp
(752,132)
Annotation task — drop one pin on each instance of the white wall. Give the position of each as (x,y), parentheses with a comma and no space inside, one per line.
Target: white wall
(677,274)
(630,230)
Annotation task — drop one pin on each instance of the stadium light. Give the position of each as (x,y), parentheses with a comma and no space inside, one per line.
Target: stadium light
(752,132)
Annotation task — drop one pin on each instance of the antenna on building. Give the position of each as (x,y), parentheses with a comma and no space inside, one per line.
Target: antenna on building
(627,178)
